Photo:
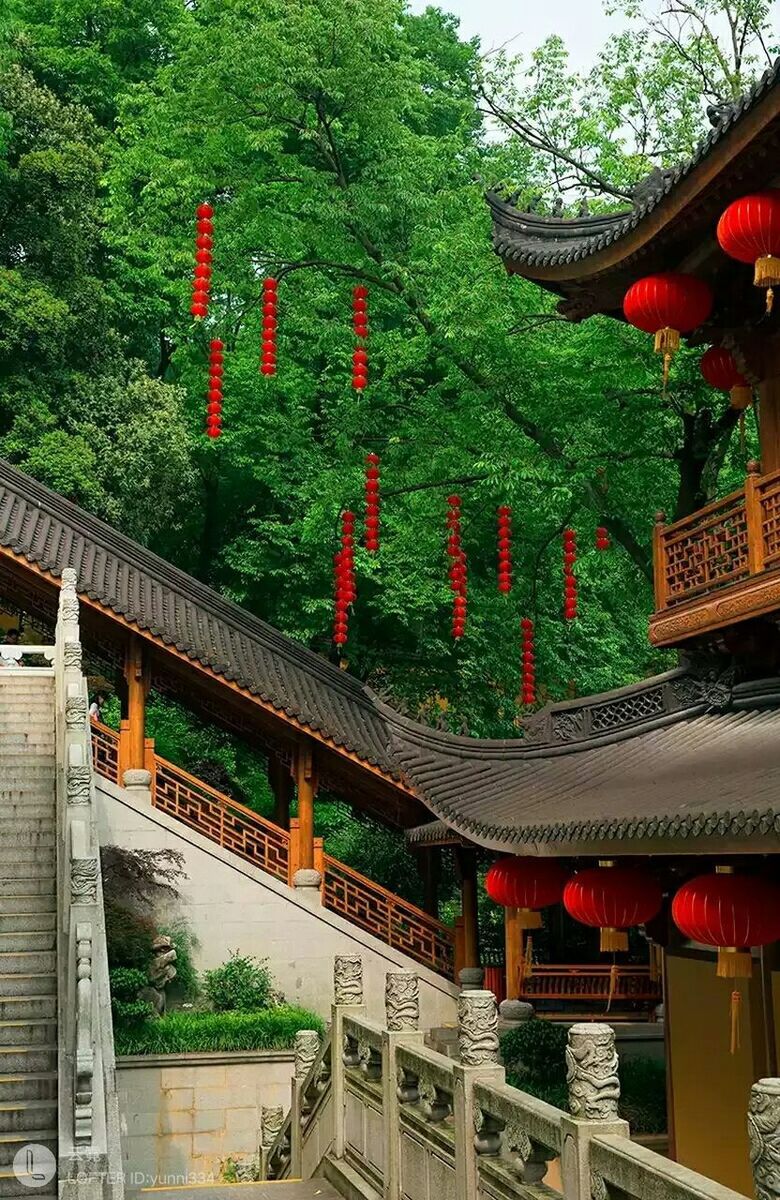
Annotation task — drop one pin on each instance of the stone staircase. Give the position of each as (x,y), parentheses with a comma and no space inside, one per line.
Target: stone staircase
(28,921)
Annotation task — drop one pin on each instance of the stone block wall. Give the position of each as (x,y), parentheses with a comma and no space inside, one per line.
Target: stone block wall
(183,1116)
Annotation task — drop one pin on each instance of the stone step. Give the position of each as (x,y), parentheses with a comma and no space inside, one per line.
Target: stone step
(19,905)
(32,962)
(25,940)
(11,1143)
(16,1116)
(32,807)
(35,984)
(40,886)
(28,1008)
(11,1188)
(29,1033)
(33,865)
(27,922)
(38,834)
(21,1059)
(40,1085)
(19,855)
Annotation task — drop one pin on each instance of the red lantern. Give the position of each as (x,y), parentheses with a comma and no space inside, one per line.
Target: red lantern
(527,884)
(268,357)
(612,899)
(720,371)
(201,286)
(344,578)
(667,305)
(214,395)
(729,911)
(749,231)
(569,578)
(360,329)
(504,549)
(602,538)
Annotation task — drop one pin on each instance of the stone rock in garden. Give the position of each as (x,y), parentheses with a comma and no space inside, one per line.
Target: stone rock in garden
(155,998)
(162,970)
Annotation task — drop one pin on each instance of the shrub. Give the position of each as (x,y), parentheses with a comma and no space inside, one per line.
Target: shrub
(643,1094)
(242,984)
(536,1051)
(129,936)
(129,1012)
(186,985)
(141,877)
(189,1032)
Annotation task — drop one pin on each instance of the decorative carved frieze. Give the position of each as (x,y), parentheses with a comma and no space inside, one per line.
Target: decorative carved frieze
(764,1134)
(402,1000)
(78,785)
(477,1029)
(348,979)
(307,1046)
(71,656)
(592,1072)
(271,1121)
(84,1052)
(75,711)
(83,880)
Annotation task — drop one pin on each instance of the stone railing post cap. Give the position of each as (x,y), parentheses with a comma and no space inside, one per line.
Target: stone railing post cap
(768,1085)
(137,777)
(591,1029)
(307,877)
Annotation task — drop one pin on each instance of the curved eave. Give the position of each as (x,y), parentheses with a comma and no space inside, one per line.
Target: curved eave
(728,161)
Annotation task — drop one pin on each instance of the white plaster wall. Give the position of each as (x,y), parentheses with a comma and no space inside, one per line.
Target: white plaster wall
(182,1116)
(231,905)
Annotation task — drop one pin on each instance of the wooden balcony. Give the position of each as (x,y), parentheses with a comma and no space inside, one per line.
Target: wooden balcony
(719,566)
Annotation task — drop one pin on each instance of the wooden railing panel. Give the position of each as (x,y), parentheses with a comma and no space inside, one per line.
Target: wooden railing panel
(592,983)
(395,921)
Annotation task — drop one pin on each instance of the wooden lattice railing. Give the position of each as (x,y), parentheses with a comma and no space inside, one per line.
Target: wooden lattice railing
(216,816)
(574,983)
(725,543)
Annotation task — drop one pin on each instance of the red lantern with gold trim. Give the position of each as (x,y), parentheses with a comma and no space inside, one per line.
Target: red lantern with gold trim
(749,231)
(527,884)
(666,305)
(731,912)
(612,899)
(720,372)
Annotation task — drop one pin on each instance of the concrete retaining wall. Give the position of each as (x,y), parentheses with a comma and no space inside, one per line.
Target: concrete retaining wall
(183,1115)
(230,905)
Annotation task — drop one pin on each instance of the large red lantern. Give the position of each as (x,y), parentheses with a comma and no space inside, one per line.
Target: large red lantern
(729,911)
(526,884)
(720,371)
(612,898)
(666,305)
(749,231)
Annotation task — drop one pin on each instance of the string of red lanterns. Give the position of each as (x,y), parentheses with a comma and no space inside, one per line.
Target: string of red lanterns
(270,326)
(344,578)
(204,242)
(372,503)
(214,406)
(504,549)
(569,577)
(458,566)
(529,662)
(360,328)
(602,538)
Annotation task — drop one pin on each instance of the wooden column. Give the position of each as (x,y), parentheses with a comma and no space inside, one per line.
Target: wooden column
(429,866)
(282,786)
(306,783)
(513,952)
(769,421)
(467,869)
(133,729)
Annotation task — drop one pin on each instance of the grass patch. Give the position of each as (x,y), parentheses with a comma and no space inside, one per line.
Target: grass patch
(190,1032)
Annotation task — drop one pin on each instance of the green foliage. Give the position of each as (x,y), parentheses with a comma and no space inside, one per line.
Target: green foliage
(188,1032)
(242,984)
(534,1056)
(186,986)
(129,936)
(129,1011)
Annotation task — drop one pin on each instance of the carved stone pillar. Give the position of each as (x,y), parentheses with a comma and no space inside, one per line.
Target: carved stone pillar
(764,1134)
(307,1047)
(348,979)
(402,1000)
(478,1029)
(592,1072)
(271,1121)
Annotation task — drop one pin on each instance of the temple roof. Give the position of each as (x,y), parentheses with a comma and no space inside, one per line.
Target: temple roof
(155,596)
(673,211)
(682,763)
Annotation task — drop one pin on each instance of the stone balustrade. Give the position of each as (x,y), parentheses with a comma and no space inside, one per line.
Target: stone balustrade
(384,1115)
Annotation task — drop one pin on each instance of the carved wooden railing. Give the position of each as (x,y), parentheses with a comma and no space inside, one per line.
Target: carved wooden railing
(723,544)
(345,891)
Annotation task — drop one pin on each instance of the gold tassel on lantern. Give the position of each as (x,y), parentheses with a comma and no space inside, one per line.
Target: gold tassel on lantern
(767,276)
(736,1014)
(613,978)
(734,963)
(667,342)
(612,939)
(526,967)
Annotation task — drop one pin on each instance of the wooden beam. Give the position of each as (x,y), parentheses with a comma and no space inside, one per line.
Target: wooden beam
(134,729)
(513,952)
(429,866)
(282,786)
(769,420)
(467,869)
